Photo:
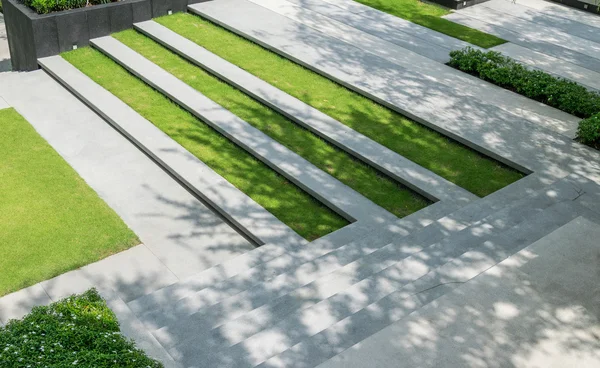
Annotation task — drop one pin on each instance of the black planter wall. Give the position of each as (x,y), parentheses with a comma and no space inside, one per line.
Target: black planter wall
(32,36)
(458,4)
(592,8)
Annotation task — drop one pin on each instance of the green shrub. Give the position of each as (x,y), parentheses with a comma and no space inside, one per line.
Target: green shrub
(79,331)
(589,131)
(48,6)
(560,93)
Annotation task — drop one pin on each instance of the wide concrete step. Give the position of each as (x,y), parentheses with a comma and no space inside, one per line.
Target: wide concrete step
(422,67)
(331,192)
(270,262)
(561,11)
(526,13)
(524,298)
(315,281)
(388,269)
(289,276)
(552,65)
(536,41)
(533,30)
(408,35)
(398,167)
(331,327)
(248,216)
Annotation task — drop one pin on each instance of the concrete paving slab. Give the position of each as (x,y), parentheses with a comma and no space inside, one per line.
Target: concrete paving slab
(552,65)
(536,43)
(185,234)
(408,35)
(558,23)
(561,11)
(131,273)
(533,30)
(3,104)
(504,317)
(328,190)
(484,127)
(407,172)
(193,222)
(448,78)
(18,304)
(67,284)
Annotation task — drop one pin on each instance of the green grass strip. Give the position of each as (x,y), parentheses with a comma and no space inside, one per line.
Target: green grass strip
(374,185)
(457,163)
(51,221)
(430,16)
(300,211)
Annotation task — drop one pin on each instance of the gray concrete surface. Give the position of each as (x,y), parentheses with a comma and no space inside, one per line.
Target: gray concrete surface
(4,51)
(417,65)
(405,171)
(327,189)
(480,125)
(538,308)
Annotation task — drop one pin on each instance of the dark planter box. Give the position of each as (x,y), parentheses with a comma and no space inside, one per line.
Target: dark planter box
(592,8)
(32,36)
(458,4)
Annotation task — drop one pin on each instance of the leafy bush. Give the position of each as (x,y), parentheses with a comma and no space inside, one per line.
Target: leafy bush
(557,92)
(589,131)
(561,93)
(79,331)
(48,6)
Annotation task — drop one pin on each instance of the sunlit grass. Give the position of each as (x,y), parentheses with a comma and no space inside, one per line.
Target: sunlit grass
(430,15)
(303,213)
(449,159)
(51,221)
(379,188)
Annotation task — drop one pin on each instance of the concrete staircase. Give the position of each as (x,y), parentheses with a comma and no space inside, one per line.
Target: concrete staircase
(329,300)
(288,303)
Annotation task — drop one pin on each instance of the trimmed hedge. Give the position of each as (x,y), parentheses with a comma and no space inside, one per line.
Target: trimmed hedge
(48,6)
(557,92)
(79,331)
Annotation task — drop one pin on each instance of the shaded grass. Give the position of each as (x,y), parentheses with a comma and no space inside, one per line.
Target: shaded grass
(303,213)
(374,185)
(430,16)
(51,221)
(455,162)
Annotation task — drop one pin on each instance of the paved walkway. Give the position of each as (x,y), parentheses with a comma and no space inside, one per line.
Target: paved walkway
(4,52)
(547,36)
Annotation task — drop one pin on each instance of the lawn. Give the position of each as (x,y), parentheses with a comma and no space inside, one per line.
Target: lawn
(366,180)
(51,221)
(459,164)
(430,16)
(300,211)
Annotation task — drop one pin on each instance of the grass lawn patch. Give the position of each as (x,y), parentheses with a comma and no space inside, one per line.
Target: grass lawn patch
(79,331)
(302,212)
(457,163)
(374,185)
(51,221)
(430,16)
